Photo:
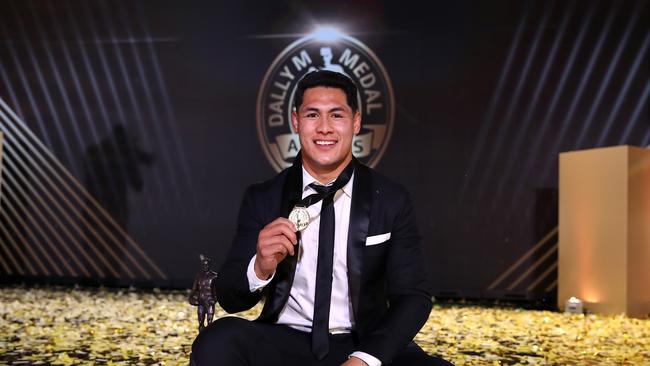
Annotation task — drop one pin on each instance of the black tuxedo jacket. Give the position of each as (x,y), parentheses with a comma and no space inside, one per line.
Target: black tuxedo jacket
(388,290)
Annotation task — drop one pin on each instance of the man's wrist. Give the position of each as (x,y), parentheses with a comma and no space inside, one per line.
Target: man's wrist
(254,282)
(259,273)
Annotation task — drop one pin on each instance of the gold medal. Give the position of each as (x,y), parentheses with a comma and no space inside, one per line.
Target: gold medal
(299,216)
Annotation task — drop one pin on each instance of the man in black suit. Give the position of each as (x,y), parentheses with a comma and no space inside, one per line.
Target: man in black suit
(343,279)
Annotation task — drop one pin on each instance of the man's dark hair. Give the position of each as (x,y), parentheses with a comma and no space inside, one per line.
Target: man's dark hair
(329,79)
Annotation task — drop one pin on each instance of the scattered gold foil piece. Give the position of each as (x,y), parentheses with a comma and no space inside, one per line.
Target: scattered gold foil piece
(111,327)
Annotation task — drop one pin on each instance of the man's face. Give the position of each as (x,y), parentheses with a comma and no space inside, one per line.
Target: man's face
(326,124)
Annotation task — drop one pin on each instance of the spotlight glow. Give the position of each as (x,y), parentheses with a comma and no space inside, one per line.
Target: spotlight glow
(327,34)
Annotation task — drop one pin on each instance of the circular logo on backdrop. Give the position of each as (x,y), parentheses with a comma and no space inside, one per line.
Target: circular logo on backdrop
(327,51)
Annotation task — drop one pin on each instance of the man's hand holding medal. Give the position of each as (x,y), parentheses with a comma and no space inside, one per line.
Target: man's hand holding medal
(274,242)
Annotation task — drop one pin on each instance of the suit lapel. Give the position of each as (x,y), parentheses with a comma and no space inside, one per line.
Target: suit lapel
(358,230)
(291,194)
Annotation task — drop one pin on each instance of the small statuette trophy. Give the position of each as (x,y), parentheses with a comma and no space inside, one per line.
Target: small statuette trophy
(203,294)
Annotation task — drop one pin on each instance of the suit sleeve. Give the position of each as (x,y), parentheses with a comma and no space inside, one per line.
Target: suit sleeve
(408,295)
(233,292)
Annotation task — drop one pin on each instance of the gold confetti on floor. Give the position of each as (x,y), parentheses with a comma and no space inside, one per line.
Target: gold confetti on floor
(111,327)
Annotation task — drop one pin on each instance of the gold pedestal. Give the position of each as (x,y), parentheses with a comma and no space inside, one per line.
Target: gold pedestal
(604,230)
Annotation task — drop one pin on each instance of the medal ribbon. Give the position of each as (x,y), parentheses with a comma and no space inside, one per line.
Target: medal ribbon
(325,191)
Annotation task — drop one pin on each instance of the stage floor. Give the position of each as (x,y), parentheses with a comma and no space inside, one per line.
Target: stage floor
(109,327)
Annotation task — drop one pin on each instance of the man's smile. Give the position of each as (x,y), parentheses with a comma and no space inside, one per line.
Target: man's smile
(325,142)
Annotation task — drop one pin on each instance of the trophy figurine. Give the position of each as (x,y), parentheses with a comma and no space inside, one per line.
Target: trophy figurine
(203,294)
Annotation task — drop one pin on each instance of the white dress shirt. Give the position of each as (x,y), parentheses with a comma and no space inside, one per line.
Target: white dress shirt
(298,312)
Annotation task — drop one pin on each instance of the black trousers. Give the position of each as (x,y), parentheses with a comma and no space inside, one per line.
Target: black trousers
(232,341)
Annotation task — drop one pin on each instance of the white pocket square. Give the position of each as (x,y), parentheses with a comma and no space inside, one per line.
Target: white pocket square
(377,239)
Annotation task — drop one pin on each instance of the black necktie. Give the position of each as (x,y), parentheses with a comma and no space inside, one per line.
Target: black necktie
(320,326)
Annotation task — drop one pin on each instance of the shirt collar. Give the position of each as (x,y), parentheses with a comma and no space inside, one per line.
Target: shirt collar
(307,179)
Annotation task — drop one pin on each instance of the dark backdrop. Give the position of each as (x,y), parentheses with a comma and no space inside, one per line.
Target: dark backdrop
(134,136)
